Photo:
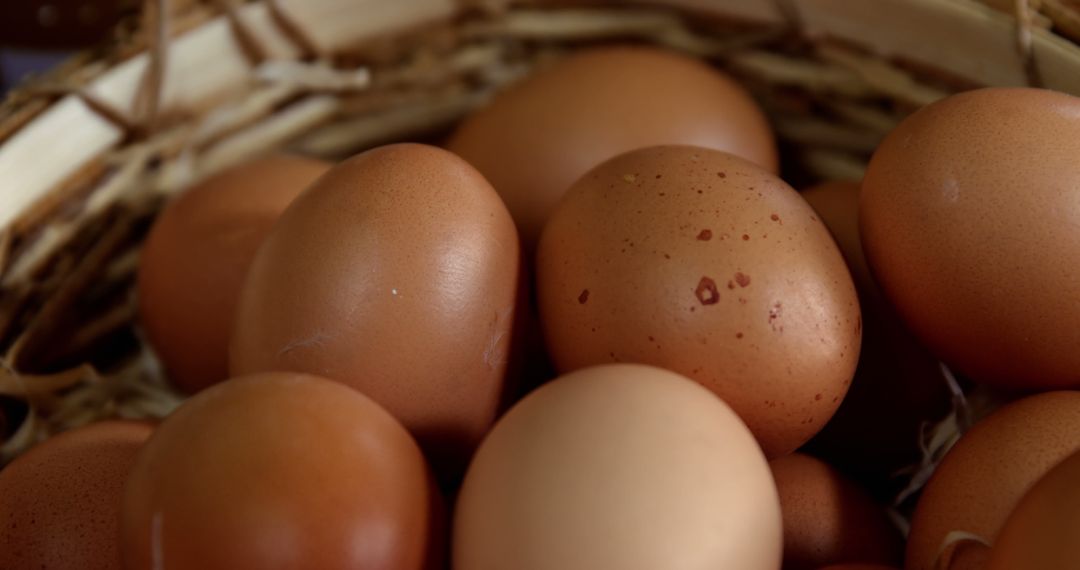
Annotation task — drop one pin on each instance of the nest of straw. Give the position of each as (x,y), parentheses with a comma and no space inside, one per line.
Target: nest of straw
(92,150)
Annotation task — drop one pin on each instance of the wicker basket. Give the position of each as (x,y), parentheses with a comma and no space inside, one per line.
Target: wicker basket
(91,151)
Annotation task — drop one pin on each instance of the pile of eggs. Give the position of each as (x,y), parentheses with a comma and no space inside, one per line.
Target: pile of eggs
(739,368)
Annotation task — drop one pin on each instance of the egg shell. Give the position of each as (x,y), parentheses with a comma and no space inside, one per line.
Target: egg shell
(983,477)
(280,470)
(898,384)
(396,274)
(1043,532)
(197,254)
(60,501)
(858,567)
(700,262)
(540,135)
(970,221)
(963,553)
(618,466)
(828,518)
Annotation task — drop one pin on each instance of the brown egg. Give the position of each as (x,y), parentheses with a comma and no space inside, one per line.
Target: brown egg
(60,502)
(963,553)
(197,254)
(536,138)
(986,473)
(279,470)
(1043,532)
(858,567)
(397,274)
(829,519)
(703,263)
(970,221)
(618,466)
(898,385)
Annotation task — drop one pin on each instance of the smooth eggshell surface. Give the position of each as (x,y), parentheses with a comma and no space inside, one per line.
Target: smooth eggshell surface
(1043,532)
(196,257)
(970,219)
(396,274)
(700,262)
(983,477)
(542,134)
(60,502)
(618,466)
(828,518)
(279,470)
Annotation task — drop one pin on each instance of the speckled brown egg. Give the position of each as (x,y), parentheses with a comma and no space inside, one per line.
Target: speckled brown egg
(1043,531)
(898,384)
(703,263)
(536,138)
(985,474)
(971,221)
(280,470)
(397,274)
(624,467)
(60,502)
(197,254)
(828,518)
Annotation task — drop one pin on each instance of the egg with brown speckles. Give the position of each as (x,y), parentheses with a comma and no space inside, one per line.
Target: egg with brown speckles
(982,478)
(701,262)
(60,502)
(397,274)
(971,222)
(540,135)
(828,518)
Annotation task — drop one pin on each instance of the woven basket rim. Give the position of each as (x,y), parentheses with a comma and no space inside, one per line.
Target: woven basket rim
(126,90)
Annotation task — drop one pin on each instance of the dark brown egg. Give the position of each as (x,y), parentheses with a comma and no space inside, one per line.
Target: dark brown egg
(828,518)
(985,474)
(197,254)
(396,274)
(898,385)
(970,220)
(539,136)
(60,502)
(279,470)
(703,263)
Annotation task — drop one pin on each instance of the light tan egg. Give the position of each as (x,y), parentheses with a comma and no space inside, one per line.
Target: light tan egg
(618,466)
